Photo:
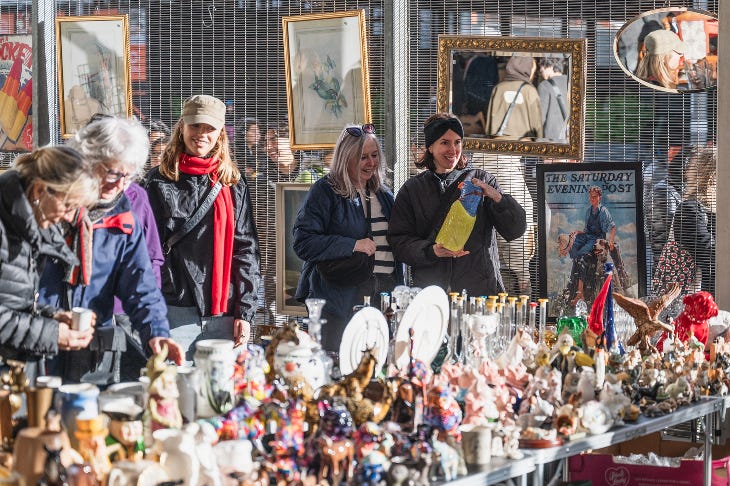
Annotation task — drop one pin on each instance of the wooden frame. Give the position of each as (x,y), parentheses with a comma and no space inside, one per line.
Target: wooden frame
(93,69)
(16,93)
(327,82)
(697,28)
(289,198)
(454,49)
(563,192)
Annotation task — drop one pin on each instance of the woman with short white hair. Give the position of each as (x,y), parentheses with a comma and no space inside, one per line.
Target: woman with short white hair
(110,243)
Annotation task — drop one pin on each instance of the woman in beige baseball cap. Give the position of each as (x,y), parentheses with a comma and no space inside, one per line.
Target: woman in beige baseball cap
(211,274)
(660,65)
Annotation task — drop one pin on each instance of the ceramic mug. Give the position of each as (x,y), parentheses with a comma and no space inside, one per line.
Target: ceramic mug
(187,386)
(476,441)
(78,401)
(215,358)
(38,401)
(81,318)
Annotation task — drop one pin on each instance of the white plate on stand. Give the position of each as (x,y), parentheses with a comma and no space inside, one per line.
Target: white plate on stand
(367,329)
(428,315)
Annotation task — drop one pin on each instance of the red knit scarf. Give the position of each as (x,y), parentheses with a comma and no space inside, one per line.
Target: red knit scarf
(223,222)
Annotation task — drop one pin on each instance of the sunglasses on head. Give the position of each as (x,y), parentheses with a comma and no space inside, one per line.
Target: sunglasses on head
(358,131)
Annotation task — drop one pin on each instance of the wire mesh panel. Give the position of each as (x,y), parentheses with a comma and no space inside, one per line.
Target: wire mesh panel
(233,49)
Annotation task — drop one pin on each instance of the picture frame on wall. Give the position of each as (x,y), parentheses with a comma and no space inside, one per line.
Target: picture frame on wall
(16,93)
(289,197)
(574,243)
(93,69)
(327,84)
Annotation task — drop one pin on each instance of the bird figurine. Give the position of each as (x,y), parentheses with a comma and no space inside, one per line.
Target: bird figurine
(646,315)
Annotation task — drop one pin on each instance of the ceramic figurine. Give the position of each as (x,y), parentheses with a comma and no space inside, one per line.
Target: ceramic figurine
(442,412)
(646,315)
(54,472)
(205,437)
(178,455)
(91,435)
(162,407)
(448,460)
(126,432)
(336,458)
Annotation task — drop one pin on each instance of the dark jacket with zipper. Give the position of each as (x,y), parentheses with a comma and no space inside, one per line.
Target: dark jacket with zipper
(27,330)
(417,216)
(188,267)
(327,227)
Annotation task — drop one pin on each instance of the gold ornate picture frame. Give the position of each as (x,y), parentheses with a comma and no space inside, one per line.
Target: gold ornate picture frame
(92,59)
(327,79)
(458,53)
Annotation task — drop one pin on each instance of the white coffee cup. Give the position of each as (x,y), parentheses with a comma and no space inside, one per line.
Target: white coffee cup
(81,318)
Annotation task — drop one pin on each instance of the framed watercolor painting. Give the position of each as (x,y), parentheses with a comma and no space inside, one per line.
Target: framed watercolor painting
(93,69)
(289,198)
(326,76)
(592,215)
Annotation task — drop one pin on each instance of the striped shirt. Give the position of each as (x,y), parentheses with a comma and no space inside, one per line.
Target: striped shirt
(384,261)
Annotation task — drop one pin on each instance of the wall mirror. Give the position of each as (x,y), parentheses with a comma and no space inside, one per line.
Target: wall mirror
(670,49)
(499,88)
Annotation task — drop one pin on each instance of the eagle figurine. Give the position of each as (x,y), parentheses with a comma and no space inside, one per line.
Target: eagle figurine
(646,315)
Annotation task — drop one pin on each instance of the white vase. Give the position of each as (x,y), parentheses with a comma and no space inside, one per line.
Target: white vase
(215,359)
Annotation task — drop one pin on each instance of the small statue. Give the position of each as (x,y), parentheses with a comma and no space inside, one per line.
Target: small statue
(126,433)
(162,407)
(646,315)
(91,434)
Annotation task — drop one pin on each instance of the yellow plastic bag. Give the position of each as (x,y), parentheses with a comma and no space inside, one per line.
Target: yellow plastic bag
(457,227)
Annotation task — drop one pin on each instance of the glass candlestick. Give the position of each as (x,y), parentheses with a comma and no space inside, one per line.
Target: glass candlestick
(523,302)
(543,319)
(512,316)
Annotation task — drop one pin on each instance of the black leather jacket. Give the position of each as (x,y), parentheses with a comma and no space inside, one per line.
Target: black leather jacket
(27,330)
(187,271)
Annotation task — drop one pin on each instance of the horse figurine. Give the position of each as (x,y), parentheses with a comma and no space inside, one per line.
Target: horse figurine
(336,457)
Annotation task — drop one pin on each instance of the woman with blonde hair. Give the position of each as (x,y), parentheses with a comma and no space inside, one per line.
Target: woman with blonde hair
(204,216)
(660,65)
(45,187)
(345,216)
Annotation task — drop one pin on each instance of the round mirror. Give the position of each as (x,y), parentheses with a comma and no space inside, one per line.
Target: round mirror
(670,49)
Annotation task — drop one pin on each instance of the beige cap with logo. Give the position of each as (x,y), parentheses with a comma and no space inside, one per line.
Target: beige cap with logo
(204,109)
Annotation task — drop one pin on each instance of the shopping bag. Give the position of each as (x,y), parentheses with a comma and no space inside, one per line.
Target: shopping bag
(675,265)
(460,219)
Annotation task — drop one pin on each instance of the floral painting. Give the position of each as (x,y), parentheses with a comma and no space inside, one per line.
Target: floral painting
(327,76)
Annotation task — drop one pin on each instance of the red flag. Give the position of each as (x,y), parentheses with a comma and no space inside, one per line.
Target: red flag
(595,320)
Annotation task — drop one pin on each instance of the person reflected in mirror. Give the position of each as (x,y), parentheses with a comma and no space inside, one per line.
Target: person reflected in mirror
(423,202)
(333,223)
(553,91)
(661,63)
(514,111)
(695,221)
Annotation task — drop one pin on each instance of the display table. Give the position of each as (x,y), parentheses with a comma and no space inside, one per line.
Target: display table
(501,469)
(704,408)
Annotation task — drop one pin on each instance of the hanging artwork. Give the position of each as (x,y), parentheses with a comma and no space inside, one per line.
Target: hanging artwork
(592,215)
(93,69)
(326,76)
(16,90)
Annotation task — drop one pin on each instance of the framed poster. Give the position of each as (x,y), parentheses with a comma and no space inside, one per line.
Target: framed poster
(326,76)
(592,215)
(93,69)
(16,93)
(289,198)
